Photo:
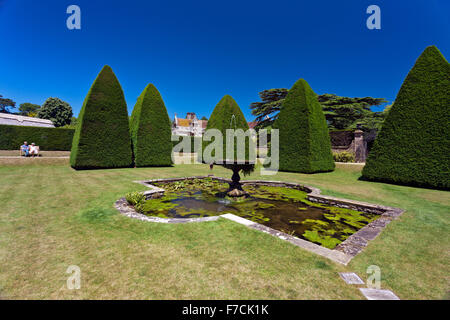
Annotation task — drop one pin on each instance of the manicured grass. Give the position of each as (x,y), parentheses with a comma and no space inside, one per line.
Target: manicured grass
(53,217)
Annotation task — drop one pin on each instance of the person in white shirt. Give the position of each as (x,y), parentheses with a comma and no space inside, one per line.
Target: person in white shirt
(34,150)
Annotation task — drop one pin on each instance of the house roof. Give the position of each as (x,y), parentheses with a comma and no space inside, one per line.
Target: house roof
(183,122)
(252,124)
(14,119)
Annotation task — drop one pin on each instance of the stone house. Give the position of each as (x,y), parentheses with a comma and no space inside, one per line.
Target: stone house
(189,126)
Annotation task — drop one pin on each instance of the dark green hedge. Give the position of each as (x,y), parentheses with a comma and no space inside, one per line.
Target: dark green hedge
(151,130)
(48,139)
(304,140)
(227,115)
(413,146)
(102,137)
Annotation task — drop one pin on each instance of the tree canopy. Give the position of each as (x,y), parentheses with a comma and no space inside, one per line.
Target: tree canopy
(340,112)
(56,110)
(28,109)
(5,104)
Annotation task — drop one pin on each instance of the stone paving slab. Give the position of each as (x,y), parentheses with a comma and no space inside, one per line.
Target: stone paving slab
(377,294)
(351,278)
(237,219)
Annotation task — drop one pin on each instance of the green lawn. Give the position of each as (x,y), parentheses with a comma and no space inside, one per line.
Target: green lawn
(52,217)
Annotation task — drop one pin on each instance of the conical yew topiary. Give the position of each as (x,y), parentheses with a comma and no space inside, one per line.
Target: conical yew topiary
(102,136)
(304,139)
(227,115)
(413,145)
(151,130)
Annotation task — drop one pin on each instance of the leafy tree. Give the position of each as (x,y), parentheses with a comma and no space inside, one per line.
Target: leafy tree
(102,137)
(204,118)
(56,110)
(6,103)
(304,140)
(151,130)
(340,112)
(413,145)
(28,109)
(72,124)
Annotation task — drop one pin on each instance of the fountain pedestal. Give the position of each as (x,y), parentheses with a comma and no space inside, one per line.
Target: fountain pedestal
(235,185)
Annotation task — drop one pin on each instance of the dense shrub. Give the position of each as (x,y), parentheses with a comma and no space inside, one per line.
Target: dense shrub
(344,156)
(102,137)
(56,110)
(227,115)
(48,139)
(304,140)
(151,130)
(135,198)
(413,145)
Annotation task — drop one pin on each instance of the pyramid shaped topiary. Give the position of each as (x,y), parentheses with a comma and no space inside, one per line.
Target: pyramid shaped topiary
(102,137)
(151,130)
(227,115)
(304,139)
(413,146)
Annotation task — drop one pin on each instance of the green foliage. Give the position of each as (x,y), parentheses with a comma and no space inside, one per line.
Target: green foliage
(6,103)
(28,109)
(413,145)
(345,113)
(304,140)
(73,123)
(227,115)
(102,137)
(56,110)
(151,131)
(340,112)
(134,198)
(344,156)
(48,139)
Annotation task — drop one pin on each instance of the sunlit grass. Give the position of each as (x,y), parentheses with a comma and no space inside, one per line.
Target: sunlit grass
(53,217)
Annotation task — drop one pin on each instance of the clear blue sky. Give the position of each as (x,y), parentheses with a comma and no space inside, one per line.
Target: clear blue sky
(197,51)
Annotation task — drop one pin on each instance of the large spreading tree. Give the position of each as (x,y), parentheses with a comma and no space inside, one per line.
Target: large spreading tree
(413,146)
(340,112)
(29,109)
(6,104)
(304,141)
(56,110)
(102,137)
(151,130)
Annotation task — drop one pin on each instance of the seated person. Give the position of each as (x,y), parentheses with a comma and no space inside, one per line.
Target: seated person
(25,148)
(34,150)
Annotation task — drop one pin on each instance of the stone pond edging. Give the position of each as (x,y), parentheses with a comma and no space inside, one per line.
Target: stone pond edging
(343,253)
